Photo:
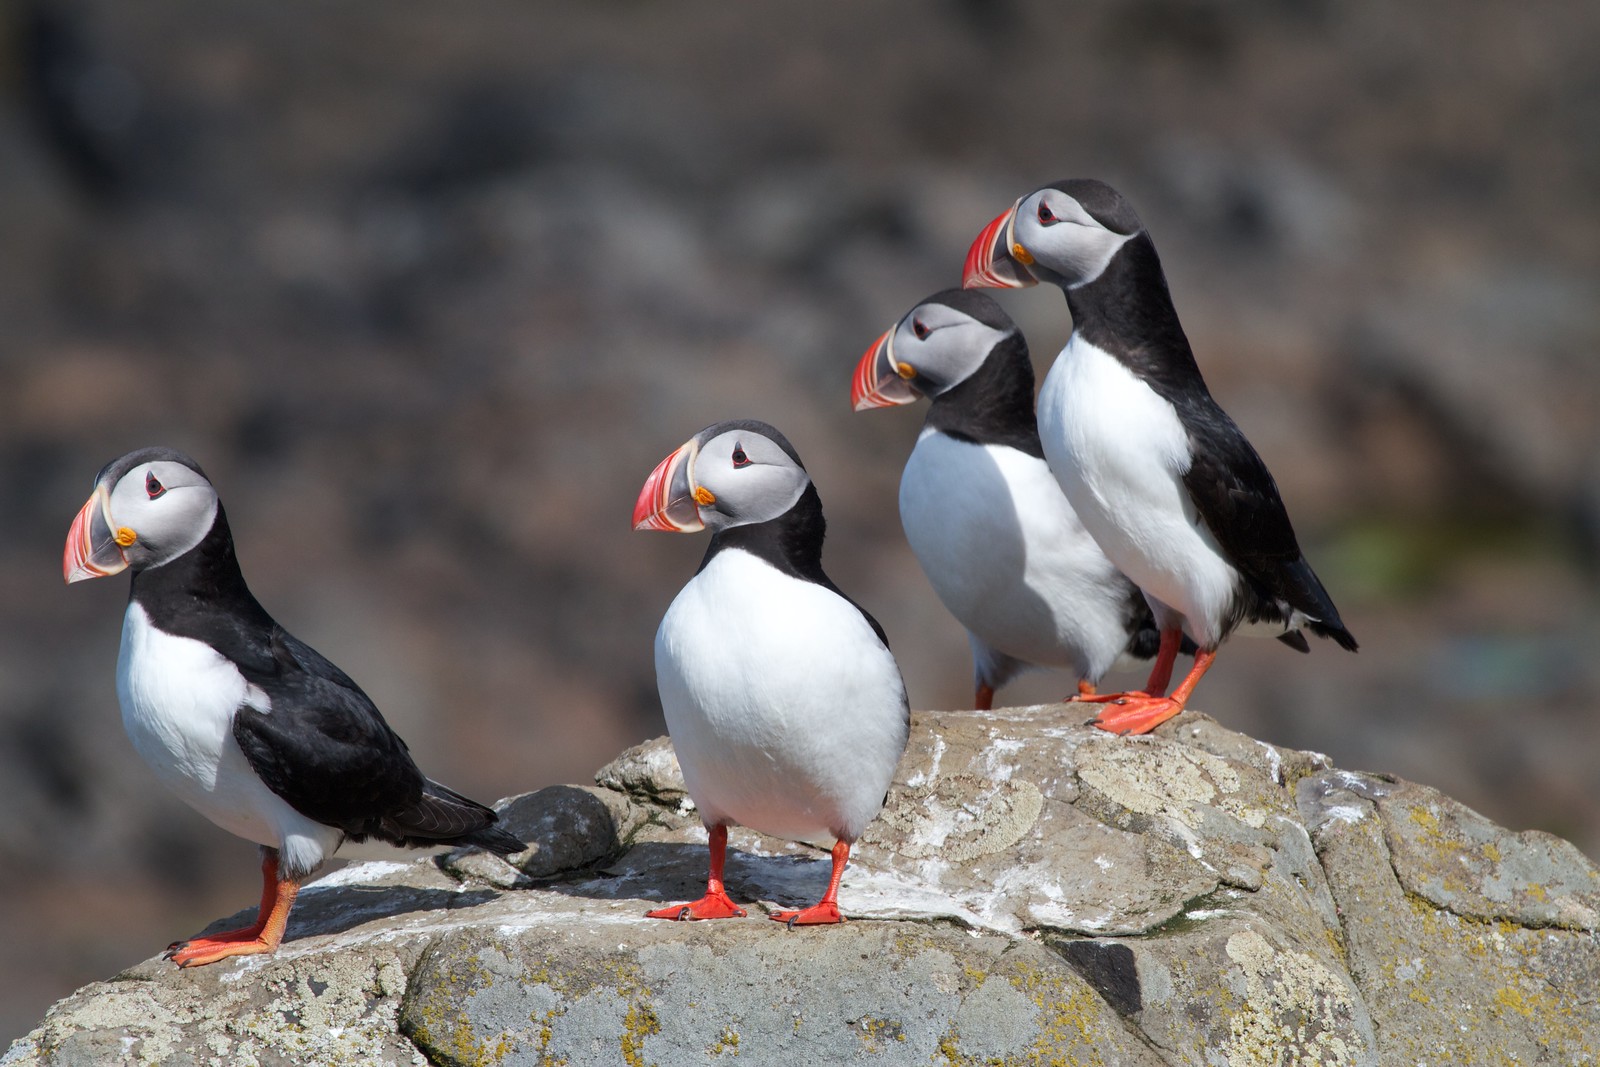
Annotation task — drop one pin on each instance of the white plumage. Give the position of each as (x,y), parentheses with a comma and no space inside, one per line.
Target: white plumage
(1008,557)
(178,698)
(1120,453)
(786,710)
(1159,474)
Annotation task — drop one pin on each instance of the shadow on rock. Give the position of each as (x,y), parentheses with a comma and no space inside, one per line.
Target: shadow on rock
(665,872)
(322,911)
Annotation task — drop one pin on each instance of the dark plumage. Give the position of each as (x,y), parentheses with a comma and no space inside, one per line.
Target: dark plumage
(204,666)
(1163,478)
(990,527)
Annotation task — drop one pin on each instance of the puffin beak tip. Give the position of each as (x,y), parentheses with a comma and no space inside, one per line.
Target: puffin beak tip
(990,263)
(92,549)
(875,383)
(666,502)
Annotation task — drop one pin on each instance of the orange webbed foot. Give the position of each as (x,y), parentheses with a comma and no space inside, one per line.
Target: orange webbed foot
(199,951)
(1135,713)
(710,906)
(1092,697)
(1085,694)
(824,913)
(261,937)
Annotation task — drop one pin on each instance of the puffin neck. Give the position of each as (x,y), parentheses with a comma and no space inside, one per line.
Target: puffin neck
(1128,312)
(993,404)
(792,542)
(206,574)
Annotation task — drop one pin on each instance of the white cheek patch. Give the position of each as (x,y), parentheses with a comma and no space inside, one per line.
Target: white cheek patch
(1094,255)
(957,349)
(169,524)
(1076,246)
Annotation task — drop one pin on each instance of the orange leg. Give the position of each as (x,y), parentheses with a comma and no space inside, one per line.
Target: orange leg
(1160,674)
(984,698)
(1166,656)
(715,904)
(826,910)
(1139,713)
(264,935)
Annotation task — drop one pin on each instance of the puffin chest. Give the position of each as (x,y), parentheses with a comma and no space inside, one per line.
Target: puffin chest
(178,698)
(752,655)
(1118,436)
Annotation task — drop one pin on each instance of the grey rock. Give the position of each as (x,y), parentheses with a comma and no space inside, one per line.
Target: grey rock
(568,827)
(665,994)
(1036,891)
(649,773)
(1443,986)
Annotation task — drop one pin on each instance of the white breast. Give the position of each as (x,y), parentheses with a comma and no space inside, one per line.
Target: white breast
(178,699)
(1009,557)
(1119,452)
(787,713)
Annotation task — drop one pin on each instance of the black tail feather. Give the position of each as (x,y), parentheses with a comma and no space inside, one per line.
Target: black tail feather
(444,817)
(1336,632)
(1302,589)
(496,840)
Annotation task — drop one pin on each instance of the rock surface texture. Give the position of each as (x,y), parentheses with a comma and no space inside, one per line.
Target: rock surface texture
(1036,892)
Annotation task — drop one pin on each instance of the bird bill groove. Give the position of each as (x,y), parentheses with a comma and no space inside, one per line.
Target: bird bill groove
(668,502)
(93,548)
(990,262)
(878,382)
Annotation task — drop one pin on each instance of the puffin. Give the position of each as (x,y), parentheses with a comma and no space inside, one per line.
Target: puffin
(999,542)
(250,726)
(785,706)
(1161,477)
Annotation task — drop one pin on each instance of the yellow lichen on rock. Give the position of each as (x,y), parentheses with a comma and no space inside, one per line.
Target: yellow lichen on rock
(1070,1015)
(1293,1011)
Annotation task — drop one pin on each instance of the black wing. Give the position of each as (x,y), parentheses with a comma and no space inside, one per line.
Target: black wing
(1238,501)
(323,746)
(326,750)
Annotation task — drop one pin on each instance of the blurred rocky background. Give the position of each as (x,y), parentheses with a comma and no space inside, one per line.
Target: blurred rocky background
(428,289)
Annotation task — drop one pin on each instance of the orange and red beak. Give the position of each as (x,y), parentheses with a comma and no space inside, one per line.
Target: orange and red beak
(93,550)
(879,381)
(667,501)
(996,260)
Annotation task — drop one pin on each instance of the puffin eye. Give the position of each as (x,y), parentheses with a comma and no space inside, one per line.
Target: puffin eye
(1046,216)
(153,486)
(740,459)
(919,329)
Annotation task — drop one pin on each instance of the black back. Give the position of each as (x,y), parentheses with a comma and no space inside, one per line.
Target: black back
(1128,312)
(324,747)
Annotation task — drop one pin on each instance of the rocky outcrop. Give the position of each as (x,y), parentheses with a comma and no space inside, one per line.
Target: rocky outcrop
(1035,892)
